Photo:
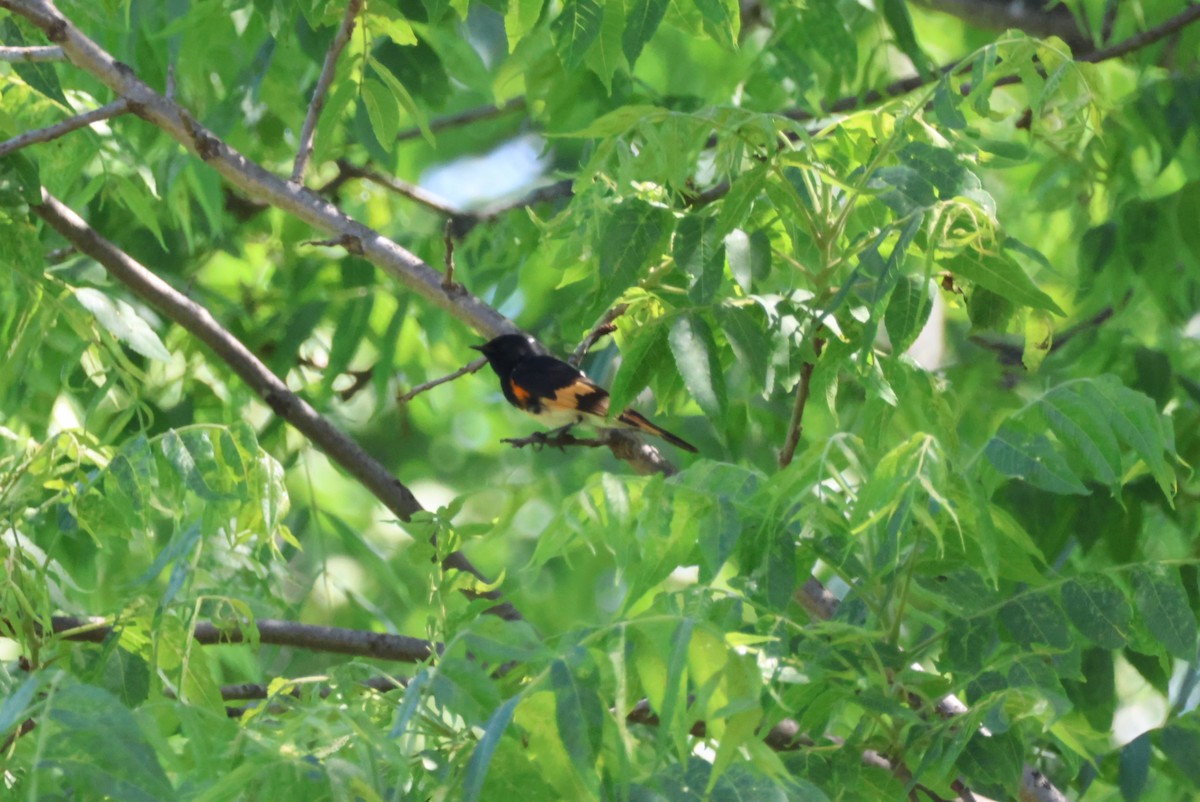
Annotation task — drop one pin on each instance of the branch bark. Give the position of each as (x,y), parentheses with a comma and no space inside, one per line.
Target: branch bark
(283,402)
(328,70)
(106,112)
(32,55)
(251,178)
(336,640)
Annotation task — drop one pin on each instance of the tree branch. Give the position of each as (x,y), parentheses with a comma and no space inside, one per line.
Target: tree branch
(605,326)
(32,55)
(283,402)
(328,70)
(336,640)
(465,118)
(999,15)
(114,109)
(253,179)
(470,367)
(399,186)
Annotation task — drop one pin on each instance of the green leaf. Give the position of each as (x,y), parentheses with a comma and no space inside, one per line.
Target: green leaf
(28,174)
(748,338)
(896,14)
(1034,618)
(643,357)
(695,354)
(907,310)
(642,20)
(1181,743)
(630,237)
(399,94)
(1098,609)
(121,321)
(40,76)
(1001,274)
(138,199)
(1163,605)
(382,110)
(575,28)
(580,717)
(1136,421)
(520,19)
(97,741)
(1134,768)
(481,758)
(1031,457)
(744,189)
(700,252)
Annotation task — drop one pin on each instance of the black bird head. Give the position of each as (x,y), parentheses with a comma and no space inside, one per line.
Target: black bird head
(507,350)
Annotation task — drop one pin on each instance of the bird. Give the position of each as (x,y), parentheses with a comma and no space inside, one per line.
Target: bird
(556,393)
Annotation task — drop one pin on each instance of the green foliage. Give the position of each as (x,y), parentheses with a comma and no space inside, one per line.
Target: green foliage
(1008,517)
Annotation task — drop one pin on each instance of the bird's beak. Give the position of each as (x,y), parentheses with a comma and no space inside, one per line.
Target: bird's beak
(475,347)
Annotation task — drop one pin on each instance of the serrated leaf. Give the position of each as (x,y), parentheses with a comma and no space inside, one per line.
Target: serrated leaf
(97,741)
(695,353)
(575,29)
(641,359)
(908,310)
(1031,457)
(700,253)
(1164,608)
(1136,421)
(749,340)
(1098,609)
(121,321)
(1001,274)
(630,237)
(642,20)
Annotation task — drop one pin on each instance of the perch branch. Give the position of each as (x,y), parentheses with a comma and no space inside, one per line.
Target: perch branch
(283,402)
(108,111)
(328,70)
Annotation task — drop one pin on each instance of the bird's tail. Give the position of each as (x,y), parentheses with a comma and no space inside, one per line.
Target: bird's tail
(636,420)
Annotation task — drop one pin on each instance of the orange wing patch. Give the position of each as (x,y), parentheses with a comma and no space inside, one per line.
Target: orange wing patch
(581,396)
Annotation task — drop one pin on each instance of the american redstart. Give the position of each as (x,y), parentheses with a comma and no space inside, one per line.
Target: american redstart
(556,393)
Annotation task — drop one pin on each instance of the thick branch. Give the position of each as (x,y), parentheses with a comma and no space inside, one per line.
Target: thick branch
(198,321)
(328,70)
(250,177)
(337,640)
(114,109)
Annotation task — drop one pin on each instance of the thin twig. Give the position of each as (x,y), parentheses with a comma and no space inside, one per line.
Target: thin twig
(399,186)
(465,118)
(328,70)
(32,55)
(108,111)
(796,426)
(336,640)
(429,385)
(171,82)
(559,440)
(448,240)
(605,326)
(283,402)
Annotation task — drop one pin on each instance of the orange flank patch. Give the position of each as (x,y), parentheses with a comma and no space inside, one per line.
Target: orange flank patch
(521,394)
